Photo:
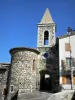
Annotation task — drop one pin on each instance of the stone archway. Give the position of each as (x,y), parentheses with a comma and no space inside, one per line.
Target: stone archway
(45,81)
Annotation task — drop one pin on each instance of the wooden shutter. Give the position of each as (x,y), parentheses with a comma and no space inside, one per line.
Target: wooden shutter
(67,46)
(73,80)
(63,80)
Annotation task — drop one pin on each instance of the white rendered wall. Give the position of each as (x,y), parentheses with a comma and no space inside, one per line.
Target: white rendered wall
(62,53)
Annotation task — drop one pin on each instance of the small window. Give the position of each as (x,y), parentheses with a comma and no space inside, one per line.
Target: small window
(63,63)
(68,62)
(4,91)
(34,64)
(73,62)
(46,38)
(12,89)
(67,46)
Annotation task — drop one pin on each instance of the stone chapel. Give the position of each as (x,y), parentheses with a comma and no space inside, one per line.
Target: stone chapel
(33,69)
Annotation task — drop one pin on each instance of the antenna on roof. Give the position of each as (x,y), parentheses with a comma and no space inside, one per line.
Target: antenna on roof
(69,30)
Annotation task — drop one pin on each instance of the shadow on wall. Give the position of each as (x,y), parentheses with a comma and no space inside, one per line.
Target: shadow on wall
(7,84)
(15,96)
(52,64)
(73,97)
(49,77)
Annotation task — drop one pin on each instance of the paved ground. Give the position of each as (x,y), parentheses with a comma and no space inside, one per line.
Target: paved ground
(65,95)
(34,96)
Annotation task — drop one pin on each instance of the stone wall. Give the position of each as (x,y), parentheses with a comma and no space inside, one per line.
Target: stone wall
(42,61)
(4,68)
(41,30)
(23,77)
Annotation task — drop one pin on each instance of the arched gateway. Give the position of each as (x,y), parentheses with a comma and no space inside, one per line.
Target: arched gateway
(45,80)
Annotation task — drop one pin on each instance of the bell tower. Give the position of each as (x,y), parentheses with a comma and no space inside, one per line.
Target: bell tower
(46,38)
(46,32)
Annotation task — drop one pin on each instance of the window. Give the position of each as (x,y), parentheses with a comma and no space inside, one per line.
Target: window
(45,55)
(46,38)
(63,63)
(73,62)
(68,61)
(34,64)
(11,88)
(4,91)
(67,46)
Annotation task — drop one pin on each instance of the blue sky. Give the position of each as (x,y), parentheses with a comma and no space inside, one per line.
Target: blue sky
(19,19)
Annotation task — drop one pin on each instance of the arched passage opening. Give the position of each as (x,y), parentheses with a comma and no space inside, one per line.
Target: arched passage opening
(45,81)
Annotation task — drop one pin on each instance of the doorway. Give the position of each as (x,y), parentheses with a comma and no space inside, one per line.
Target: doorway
(45,81)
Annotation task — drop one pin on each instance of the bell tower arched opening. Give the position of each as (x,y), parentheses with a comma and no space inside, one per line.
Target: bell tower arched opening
(46,38)
(46,31)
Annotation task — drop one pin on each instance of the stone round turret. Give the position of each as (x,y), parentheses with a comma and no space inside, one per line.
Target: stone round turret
(23,69)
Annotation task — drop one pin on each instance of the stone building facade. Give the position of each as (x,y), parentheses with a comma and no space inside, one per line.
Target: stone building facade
(31,69)
(4,68)
(67,60)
